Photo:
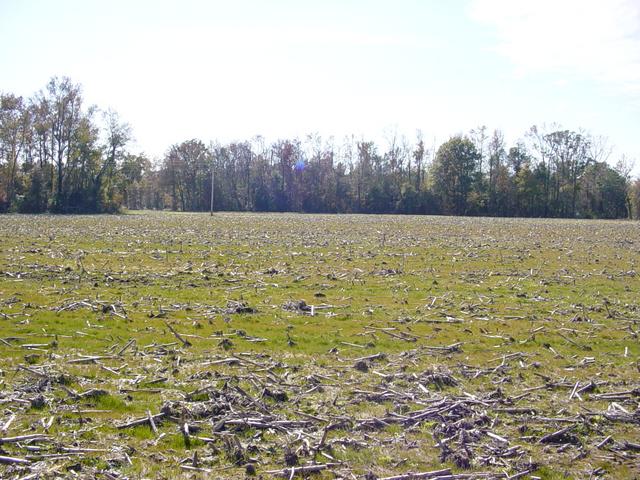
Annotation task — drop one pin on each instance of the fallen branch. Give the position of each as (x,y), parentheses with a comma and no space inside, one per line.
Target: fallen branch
(551,437)
(186,343)
(24,438)
(290,472)
(141,421)
(22,461)
(411,476)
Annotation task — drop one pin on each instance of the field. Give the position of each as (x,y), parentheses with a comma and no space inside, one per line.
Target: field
(159,345)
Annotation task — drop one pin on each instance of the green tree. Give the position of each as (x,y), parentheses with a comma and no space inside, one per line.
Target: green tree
(186,172)
(495,160)
(14,127)
(133,172)
(603,192)
(63,102)
(453,173)
(568,152)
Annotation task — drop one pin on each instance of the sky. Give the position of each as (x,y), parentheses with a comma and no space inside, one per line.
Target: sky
(229,70)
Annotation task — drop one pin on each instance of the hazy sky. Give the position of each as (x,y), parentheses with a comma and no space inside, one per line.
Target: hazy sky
(230,70)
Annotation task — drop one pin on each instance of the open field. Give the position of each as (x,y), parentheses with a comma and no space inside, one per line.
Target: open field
(162,345)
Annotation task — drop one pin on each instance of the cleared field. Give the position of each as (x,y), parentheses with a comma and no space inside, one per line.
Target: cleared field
(162,345)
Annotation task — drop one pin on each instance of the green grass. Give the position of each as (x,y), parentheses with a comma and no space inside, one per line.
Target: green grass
(563,294)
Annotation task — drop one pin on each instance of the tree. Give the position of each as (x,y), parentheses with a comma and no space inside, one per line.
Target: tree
(623,167)
(568,151)
(85,158)
(496,155)
(363,173)
(418,155)
(409,201)
(479,138)
(240,160)
(14,125)
(133,171)
(634,196)
(286,153)
(118,136)
(603,192)
(63,102)
(186,168)
(536,137)
(57,156)
(454,165)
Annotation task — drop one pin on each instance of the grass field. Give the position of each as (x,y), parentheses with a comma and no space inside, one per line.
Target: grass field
(159,345)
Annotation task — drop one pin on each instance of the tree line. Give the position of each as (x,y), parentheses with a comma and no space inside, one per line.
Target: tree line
(57,155)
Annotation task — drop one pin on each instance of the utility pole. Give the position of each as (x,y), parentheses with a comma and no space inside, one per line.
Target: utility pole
(212,179)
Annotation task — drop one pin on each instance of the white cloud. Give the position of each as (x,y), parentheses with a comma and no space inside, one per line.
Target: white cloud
(594,39)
